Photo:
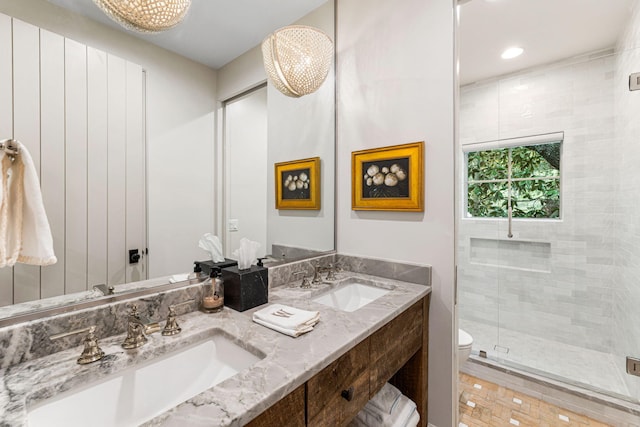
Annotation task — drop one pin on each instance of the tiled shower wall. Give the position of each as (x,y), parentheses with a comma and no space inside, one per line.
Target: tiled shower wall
(627,202)
(554,279)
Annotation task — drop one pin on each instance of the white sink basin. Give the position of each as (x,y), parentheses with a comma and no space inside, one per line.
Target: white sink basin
(140,393)
(351,296)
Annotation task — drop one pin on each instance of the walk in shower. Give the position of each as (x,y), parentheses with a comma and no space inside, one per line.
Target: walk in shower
(549,213)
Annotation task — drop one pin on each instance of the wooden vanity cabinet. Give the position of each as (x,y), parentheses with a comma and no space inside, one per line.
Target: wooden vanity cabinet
(337,393)
(397,352)
(393,345)
(287,412)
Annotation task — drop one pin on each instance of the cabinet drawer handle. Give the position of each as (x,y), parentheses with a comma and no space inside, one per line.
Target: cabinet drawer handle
(347,394)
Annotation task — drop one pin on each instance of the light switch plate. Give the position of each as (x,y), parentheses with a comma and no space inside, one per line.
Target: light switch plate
(634,81)
(233,225)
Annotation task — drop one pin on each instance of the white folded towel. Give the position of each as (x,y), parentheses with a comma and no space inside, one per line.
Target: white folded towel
(388,408)
(287,320)
(386,399)
(25,235)
(414,419)
(178,278)
(402,413)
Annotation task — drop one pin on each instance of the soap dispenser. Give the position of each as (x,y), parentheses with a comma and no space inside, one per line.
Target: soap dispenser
(198,275)
(213,293)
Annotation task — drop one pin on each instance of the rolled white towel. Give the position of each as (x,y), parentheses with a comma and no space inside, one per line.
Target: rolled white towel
(414,419)
(386,399)
(388,408)
(402,412)
(287,320)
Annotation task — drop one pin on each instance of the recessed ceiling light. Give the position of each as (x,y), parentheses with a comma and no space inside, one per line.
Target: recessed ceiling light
(512,52)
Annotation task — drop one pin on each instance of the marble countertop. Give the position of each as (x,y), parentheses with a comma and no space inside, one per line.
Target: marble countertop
(288,362)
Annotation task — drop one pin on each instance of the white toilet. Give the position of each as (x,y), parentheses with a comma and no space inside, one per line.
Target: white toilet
(464,346)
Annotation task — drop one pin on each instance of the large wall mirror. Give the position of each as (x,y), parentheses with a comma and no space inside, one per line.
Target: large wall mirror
(133,136)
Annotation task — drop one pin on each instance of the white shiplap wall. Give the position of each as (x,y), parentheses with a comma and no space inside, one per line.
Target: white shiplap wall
(80,113)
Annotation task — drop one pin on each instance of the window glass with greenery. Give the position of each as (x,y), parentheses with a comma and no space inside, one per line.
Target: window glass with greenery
(525,177)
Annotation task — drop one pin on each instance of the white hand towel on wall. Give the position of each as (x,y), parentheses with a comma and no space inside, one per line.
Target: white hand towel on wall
(25,235)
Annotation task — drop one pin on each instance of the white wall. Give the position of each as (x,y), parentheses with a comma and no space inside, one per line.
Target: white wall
(246,148)
(181,105)
(396,85)
(298,128)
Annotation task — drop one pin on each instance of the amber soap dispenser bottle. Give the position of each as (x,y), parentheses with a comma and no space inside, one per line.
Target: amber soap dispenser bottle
(212,293)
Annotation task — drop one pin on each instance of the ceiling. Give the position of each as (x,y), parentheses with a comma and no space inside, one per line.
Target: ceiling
(548,30)
(214,31)
(217,31)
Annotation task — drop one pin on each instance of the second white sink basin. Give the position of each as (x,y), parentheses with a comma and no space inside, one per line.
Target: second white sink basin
(351,296)
(144,391)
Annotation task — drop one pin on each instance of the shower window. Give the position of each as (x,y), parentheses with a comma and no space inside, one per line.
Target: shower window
(514,173)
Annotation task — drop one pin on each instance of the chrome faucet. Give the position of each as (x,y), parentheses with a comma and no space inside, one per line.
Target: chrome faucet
(137,329)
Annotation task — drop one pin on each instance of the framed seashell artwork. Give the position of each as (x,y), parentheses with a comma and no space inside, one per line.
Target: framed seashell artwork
(298,184)
(388,178)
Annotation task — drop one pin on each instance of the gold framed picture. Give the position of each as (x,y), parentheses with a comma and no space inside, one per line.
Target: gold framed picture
(298,184)
(388,178)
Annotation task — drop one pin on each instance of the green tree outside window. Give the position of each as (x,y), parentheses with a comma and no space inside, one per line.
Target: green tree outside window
(527,176)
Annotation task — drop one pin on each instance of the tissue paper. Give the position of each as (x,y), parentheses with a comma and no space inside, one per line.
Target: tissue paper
(247,253)
(212,244)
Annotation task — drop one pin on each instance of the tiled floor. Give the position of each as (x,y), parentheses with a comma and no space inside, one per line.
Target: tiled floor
(483,404)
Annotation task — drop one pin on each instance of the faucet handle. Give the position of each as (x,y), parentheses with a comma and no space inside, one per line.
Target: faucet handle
(331,272)
(172,327)
(134,311)
(92,351)
(305,280)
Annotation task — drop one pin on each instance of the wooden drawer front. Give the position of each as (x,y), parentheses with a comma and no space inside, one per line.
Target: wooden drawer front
(325,404)
(287,412)
(394,344)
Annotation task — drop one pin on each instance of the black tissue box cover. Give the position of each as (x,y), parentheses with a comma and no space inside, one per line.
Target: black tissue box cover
(245,289)
(207,266)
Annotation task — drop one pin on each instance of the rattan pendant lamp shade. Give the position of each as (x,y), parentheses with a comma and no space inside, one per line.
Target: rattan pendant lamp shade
(297,59)
(147,16)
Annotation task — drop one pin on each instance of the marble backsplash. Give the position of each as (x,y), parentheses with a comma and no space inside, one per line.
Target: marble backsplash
(283,252)
(30,340)
(412,273)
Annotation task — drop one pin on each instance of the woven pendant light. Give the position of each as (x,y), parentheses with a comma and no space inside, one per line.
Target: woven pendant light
(297,59)
(146,16)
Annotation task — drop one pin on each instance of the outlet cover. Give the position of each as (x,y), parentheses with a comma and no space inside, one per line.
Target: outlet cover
(233,225)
